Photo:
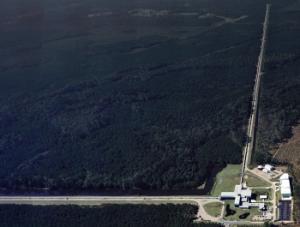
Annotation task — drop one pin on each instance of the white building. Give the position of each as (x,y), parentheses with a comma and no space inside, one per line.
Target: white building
(237,201)
(245,205)
(228,195)
(241,196)
(263,196)
(246,193)
(285,187)
(268,168)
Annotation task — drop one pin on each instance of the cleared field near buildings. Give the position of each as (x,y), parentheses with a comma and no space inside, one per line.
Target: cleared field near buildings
(226,180)
(254,181)
(214,209)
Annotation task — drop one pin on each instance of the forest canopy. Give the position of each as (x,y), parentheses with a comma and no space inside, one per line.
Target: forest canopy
(104,216)
(147,95)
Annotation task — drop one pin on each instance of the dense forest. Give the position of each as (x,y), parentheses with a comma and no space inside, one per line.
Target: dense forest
(280,93)
(105,216)
(101,95)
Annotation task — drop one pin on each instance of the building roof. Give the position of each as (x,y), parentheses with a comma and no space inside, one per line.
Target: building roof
(285,176)
(246,192)
(228,195)
(268,167)
(286,191)
(263,196)
(244,199)
(237,200)
(285,186)
(237,189)
(245,205)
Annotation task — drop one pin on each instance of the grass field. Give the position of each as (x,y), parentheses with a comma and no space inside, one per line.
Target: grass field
(252,212)
(214,209)
(226,180)
(253,181)
(259,192)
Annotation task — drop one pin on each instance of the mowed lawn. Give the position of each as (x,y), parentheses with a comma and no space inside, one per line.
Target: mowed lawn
(226,180)
(254,181)
(258,192)
(238,212)
(214,209)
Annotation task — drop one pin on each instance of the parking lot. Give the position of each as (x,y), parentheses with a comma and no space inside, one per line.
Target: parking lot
(285,210)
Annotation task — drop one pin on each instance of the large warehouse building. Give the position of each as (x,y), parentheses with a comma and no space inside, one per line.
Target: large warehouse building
(285,187)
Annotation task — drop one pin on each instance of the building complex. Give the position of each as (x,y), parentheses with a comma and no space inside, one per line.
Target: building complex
(242,197)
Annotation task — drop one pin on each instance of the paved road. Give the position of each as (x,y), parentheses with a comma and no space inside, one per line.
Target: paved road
(97,200)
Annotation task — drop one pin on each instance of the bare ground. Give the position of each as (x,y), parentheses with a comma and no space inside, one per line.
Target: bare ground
(289,152)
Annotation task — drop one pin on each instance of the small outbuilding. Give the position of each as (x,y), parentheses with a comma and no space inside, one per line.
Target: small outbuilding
(268,168)
(263,196)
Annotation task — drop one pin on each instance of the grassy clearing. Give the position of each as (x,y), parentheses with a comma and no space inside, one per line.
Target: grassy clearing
(226,180)
(258,192)
(252,212)
(278,197)
(253,181)
(214,209)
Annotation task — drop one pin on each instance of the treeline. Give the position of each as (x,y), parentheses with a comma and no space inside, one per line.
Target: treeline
(104,216)
(266,224)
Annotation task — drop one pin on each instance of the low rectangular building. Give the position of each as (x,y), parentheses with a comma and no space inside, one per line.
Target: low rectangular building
(237,201)
(245,205)
(227,195)
(285,187)
(263,196)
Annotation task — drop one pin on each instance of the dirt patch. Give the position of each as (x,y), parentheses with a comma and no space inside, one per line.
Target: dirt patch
(289,151)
